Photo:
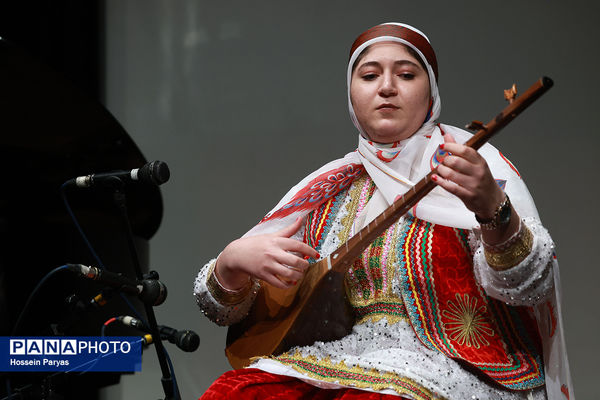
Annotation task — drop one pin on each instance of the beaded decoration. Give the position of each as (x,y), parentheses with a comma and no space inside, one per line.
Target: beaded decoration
(458,321)
(451,314)
(326,370)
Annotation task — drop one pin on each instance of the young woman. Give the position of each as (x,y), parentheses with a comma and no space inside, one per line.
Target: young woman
(456,300)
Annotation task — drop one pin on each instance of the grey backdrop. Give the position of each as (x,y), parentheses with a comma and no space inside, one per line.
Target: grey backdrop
(243,99)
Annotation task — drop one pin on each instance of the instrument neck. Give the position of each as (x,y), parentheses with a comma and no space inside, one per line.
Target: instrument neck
(343,257)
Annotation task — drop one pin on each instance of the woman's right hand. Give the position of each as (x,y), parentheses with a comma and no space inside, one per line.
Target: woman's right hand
(272,258)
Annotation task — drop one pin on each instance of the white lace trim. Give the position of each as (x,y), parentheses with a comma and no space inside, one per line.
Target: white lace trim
(218,313)
(526,284)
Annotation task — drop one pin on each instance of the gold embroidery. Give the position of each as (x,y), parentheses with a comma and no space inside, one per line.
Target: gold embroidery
(389,269)
(224,296)
(326,370)
(391,319)
(352,207)
(513,255)
(467,325)
(389,296)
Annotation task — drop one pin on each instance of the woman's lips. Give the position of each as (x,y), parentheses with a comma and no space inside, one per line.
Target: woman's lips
(387,106)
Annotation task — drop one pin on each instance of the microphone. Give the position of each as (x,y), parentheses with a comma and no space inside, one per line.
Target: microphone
(150,291)
(154,173)
(186,340)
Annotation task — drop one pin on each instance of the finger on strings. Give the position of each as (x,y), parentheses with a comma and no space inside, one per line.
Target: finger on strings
(292,261)
(270,276)
(297,246)
(288,273)
(277,282)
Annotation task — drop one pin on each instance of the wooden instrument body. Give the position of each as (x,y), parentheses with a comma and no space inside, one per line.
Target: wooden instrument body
(316,309)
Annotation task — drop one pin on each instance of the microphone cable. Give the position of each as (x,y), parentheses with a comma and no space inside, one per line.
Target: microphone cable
(32,295)
(91,248)
(78,226)
(148,339)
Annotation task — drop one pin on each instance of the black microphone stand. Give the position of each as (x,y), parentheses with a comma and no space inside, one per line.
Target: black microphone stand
(167,381)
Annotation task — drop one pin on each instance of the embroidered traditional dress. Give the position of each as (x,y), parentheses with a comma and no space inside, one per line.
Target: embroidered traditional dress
(383,351)
(433,319)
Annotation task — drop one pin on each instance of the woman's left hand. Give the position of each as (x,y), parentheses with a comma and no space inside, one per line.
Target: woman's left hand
(465,173)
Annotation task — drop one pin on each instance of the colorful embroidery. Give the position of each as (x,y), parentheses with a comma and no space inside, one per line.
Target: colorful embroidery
(368,281)
(360,193)
(318,221)
(393,309)
(466,323)
(369,275)
(450,313)
(318,190)
(463,239)
(340,373)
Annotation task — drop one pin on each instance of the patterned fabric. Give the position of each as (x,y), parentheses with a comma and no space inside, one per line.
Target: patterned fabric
(448,310)
(368,281)
(451,314)
(318,222)
(250,383)
(325,369)
(374,355)
(318,190)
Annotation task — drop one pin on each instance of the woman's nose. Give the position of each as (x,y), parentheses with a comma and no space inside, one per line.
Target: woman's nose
(387,87)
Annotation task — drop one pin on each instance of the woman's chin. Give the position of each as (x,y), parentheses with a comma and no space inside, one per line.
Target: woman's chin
(388,136)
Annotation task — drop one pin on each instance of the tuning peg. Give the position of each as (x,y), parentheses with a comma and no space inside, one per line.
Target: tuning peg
(511,94)
(475,126)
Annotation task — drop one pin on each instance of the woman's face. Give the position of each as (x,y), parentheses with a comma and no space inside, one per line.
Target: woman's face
(390,92)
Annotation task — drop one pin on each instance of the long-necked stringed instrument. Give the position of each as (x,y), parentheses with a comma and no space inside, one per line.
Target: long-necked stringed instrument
(317,309)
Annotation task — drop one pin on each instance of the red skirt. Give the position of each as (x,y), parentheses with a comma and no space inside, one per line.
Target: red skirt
(252,383)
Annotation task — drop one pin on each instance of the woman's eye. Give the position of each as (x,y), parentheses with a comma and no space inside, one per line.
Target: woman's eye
(406,75)
(369,77)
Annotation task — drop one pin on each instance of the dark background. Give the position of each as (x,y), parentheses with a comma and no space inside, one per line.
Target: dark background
(243,99)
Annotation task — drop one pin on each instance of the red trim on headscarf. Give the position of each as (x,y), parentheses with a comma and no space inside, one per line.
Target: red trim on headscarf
(565,390)
(384,158)
(401,32)
(509,163)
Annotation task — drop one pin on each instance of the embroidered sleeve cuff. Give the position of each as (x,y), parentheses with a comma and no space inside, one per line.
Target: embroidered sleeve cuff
(224,296)
(529,281)
(219,306)
(510,253)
